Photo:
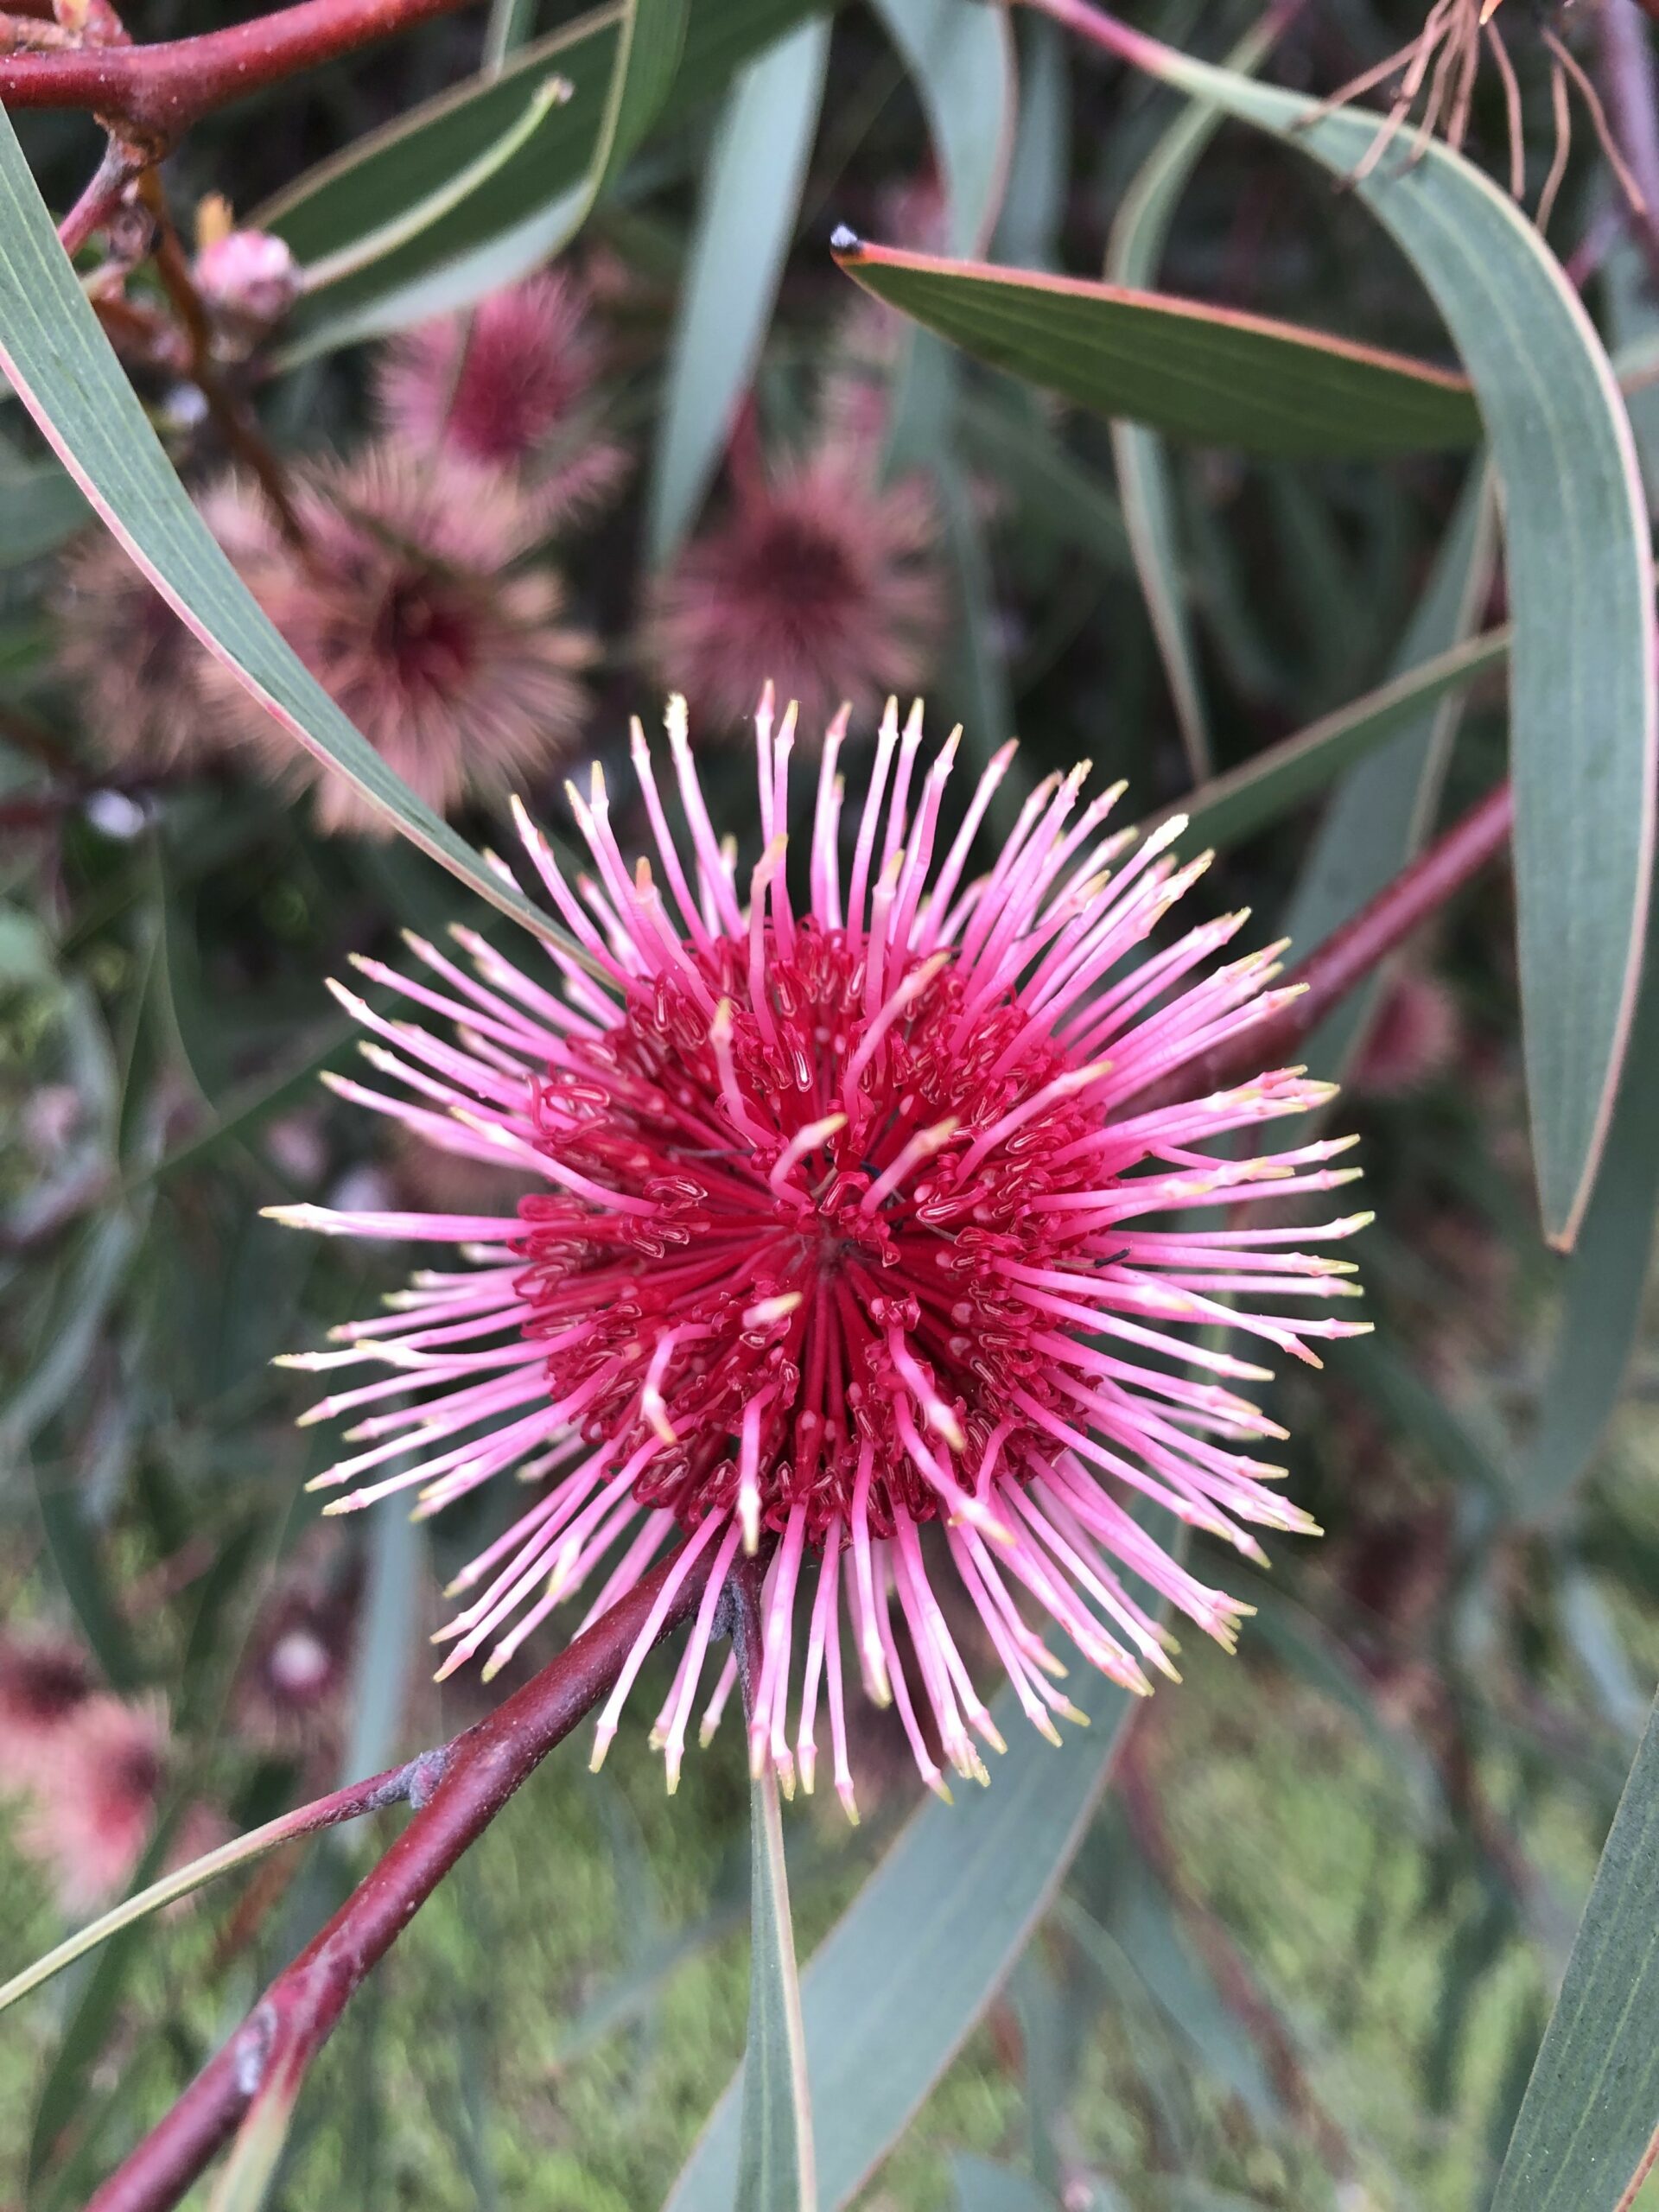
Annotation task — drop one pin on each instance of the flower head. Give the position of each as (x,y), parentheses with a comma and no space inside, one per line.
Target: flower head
(818,578)
(44,1680)
(504,385)
(248,281)
(290,1693)
(94,1799)
(846,1242)
(136,669)
(406,603)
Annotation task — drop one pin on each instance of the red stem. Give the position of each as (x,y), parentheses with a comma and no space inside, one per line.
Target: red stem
(477,1773)
(1350,953)
(152,93)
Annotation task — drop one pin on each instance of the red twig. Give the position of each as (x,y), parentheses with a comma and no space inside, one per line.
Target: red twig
(103,196)
(1350,953)
(477,1773)
(149,94)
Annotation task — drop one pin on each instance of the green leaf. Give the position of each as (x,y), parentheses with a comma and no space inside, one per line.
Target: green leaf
(42,506)
(1133,253)
(1592,2107)
(1580,580)
(1603,1279)
(388,1639)
(982,2187)
(60,362)
(961,60)
(514,221)
(1261,790)
(1385,808)
(775,2171)
(75,1554)
(1212,374)
(890,1995)
(406,226)
(751,199)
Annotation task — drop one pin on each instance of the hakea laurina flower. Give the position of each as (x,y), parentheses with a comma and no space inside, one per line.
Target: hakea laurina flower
(136,669)
(406,602)
(845,1233)
(817,574)
(504,384)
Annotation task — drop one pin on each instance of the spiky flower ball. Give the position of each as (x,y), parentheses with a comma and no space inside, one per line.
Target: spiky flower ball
(408,602)
(818,577)
(505,385)
(847,1246)
(135,669)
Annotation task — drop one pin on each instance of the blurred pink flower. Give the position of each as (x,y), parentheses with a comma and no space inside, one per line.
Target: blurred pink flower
(1413,1037)
(817,579)
(503,385)
(248,281)
(44,1680)
(93,1799)
(406,603)
(844,1233)
(136,671)
(290,1693)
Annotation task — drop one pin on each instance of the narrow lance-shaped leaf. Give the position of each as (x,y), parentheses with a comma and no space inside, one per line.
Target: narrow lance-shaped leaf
(55,354)
(510,223)
(1133,253)
(894,1989)
(776,2173)
(1604,1281)
(961,60)
(1230,808)
(751,197)
(1215,375)
(1385,807)
(1580,578)
(1592,2108)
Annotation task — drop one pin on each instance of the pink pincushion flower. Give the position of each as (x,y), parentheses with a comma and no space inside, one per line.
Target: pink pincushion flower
(406,603)
(136,669)
(846,1238)
(504,385)
(44,1680)
(94,1798)
(816,578)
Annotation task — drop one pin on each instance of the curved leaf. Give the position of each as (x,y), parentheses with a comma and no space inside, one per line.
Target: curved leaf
(1230,808)
(1591,2112)
(515,220)
(751,199)
(1384,809)
(893,1990)
(1604,1281)
(61,363)
(1133,253)
(775,2171)
(1580,578)
(961,60)
(1213,374)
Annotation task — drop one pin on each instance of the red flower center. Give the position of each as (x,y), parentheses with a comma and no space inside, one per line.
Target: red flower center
(824,1250)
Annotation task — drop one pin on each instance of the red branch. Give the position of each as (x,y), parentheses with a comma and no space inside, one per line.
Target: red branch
(1350,953)
(476,1775)
(149,94)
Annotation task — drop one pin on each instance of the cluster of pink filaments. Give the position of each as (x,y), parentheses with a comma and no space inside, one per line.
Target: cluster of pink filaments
(843,1236)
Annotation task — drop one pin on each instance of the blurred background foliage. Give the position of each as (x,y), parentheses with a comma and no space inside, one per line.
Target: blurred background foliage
(1306,1953)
